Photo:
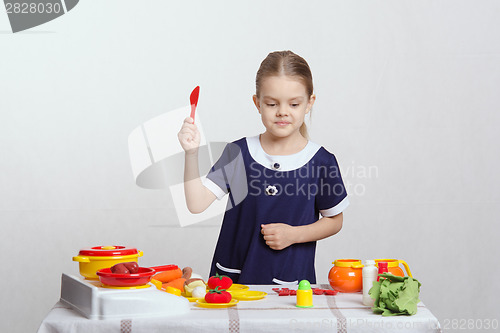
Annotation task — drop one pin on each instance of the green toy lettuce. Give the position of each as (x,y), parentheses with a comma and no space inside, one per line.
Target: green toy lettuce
(395,295)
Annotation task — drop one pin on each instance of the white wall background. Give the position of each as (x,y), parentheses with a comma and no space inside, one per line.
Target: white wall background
(408,88)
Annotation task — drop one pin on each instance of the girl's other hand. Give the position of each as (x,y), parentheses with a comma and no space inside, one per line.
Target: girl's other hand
(189,136)
(278,235)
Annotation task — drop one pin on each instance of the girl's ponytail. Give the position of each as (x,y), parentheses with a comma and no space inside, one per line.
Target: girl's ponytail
(303,130)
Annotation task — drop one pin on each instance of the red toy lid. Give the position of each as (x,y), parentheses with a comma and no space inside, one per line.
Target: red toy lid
(108,251)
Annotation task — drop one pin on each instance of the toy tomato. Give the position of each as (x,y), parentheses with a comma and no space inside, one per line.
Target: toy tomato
(222,281)
(218,295)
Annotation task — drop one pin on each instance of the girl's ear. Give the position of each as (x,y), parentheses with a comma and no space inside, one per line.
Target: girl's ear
(310,104)
(256,102)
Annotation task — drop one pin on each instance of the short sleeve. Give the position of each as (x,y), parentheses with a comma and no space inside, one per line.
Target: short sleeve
(332,198)
(228,175)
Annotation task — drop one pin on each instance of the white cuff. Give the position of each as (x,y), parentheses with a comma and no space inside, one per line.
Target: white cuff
(214,188)
(228,270)
(275,280)
(335,210)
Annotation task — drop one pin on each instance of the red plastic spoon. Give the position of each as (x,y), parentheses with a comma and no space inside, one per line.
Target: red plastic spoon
(194,100)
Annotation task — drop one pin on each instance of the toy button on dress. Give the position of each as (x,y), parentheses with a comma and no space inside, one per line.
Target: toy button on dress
(271,190)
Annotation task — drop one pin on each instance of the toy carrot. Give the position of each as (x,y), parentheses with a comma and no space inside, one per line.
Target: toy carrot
(177,283)
(167,276)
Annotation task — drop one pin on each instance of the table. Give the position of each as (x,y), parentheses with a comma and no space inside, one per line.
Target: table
(341,313)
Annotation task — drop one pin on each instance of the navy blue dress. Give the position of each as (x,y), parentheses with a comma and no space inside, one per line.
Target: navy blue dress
(292,189)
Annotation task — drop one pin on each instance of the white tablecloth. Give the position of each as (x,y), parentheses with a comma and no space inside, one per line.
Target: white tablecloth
(339,313)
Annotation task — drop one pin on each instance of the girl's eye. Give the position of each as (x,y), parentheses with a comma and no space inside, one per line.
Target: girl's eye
(271,104)
(294,105)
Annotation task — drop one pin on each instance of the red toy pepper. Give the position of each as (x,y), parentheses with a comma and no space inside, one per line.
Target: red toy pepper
(218,296)
(284,292)
(318,291)
(222,281)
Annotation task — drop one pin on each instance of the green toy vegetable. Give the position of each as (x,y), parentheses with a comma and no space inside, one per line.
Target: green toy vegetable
(395,295)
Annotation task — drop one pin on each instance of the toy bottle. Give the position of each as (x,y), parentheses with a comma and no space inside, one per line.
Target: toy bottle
(382,268)
(304,295)
(369,275)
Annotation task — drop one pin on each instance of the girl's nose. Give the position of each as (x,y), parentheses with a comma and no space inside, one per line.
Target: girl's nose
(282,111)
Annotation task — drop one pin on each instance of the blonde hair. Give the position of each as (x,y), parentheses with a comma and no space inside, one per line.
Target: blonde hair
(289,64)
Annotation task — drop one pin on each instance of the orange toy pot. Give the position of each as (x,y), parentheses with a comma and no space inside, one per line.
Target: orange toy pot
(393,266)
(345,275)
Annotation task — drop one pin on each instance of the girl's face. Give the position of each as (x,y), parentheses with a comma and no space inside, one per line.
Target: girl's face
(283,104)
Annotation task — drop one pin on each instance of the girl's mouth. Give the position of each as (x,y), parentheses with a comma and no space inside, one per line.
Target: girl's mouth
(282,123)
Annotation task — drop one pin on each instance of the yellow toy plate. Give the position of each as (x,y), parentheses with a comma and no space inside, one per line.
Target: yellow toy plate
(202,303)
(234,288)
(237,287)
(248,295)
(190,298)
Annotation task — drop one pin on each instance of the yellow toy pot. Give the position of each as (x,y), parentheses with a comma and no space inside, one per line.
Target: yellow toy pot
(92,259)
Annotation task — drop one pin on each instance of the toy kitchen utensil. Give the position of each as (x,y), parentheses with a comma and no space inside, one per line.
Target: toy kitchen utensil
(235,287)
(193,99)
(248,295)
(92,259)
(393,266)
(143,277)
(346,276)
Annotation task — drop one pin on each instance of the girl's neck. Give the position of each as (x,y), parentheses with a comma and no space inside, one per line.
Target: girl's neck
(273,145)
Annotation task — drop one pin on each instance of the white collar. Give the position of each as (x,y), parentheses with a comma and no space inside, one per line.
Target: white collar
(281,162)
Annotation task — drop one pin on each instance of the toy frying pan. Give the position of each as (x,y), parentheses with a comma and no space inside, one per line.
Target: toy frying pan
(131,280)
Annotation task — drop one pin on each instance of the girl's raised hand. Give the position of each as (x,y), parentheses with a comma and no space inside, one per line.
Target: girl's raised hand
(189,136)
(278,235)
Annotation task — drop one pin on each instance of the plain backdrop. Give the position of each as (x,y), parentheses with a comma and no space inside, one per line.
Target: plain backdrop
(407,99)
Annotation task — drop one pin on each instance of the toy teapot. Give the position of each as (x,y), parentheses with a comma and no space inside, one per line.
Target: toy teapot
(345,276)
(393,266)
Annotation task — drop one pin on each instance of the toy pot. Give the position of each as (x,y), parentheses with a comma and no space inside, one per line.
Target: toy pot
(345,276)
(393,266)
(92,259)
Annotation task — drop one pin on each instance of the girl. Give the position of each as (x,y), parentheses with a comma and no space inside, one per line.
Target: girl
(278,183)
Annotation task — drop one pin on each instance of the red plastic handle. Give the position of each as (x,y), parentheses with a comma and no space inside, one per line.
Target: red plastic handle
(164,268)
(193,99)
